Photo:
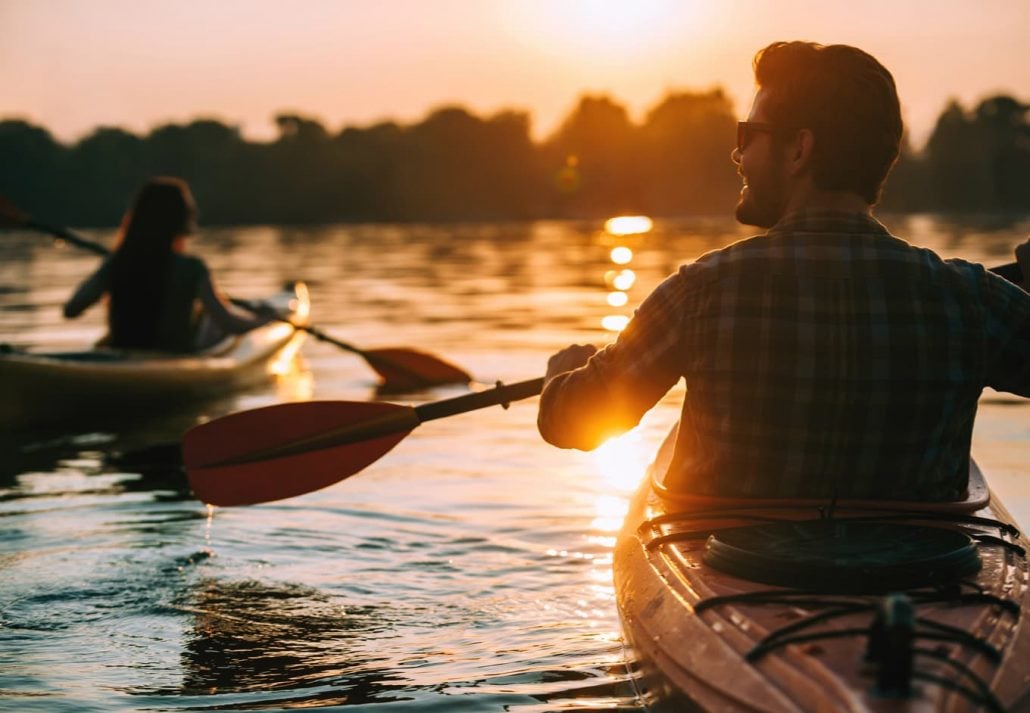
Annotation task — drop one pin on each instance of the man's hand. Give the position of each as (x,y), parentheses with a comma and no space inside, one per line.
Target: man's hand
(569,358)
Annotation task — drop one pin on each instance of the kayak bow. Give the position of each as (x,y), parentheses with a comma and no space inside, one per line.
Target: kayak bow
(790,606)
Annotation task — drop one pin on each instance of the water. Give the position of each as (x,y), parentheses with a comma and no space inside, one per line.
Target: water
(468,570)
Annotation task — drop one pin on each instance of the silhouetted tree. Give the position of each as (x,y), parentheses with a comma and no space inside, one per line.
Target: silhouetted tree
(31,169)
(981,162)
(594,158)
(454,165)
(686,142)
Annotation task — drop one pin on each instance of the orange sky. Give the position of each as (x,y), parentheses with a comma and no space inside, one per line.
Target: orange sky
(72,65)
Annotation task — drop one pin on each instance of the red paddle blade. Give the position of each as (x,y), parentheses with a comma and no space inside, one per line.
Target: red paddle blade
(402,369)
(290,449)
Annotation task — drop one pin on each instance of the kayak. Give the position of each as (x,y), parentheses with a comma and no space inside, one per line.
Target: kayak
(46,388)
(731,604)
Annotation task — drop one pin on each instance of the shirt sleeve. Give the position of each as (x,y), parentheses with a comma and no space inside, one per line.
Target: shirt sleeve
(89,291)
(609,395)
(1008,330)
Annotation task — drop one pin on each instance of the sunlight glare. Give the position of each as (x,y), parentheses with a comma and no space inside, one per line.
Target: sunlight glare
(628,225)
(624,280)
(621,461)
(611,511)
(618,299)
(621,255)
(615,322)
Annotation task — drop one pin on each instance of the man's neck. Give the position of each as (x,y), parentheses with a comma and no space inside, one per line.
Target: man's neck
(810,198)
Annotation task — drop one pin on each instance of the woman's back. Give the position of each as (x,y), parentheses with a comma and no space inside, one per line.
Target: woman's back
(157,293)
(159,314)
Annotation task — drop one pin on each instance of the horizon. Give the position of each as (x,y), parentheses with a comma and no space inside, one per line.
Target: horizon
(356,63)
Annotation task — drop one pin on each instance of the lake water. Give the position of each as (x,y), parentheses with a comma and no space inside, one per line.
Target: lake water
(468,570)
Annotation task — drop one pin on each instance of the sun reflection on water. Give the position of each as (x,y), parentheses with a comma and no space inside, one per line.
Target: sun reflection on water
(618,299)
(621,461)
(624,279)
(621,255)
(628,225)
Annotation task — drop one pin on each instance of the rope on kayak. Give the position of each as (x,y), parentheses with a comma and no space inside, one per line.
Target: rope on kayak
(801,598)
(901,515)
(982,696)
(921,629)
(985,539)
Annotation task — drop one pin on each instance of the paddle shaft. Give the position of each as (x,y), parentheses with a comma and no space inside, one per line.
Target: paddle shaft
(315,332)
(502,394)
(398,420)
(68,236)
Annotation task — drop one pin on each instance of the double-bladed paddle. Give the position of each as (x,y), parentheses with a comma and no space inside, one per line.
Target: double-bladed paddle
(400,368)
(290,449)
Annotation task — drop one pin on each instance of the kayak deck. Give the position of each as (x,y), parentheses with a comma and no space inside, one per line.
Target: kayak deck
(47,388)
(705,639)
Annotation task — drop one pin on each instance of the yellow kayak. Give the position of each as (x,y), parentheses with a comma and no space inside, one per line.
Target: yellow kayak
(40,389)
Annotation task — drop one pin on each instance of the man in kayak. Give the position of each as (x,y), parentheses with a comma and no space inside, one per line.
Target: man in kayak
(160,298)
(825,357)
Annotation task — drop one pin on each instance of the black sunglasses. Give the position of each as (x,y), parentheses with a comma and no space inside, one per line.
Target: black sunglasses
(747,129)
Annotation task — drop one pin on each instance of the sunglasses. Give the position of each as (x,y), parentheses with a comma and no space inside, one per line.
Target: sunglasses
(747,129)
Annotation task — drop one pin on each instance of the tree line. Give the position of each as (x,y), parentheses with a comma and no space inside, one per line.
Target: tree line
(454,165)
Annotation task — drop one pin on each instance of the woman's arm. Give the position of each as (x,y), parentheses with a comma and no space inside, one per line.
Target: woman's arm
(223,314)
(89,291)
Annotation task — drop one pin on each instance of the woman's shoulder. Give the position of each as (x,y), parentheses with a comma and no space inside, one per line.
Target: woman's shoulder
(190,263)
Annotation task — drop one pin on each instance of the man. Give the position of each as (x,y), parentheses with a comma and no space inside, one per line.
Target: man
(826,357)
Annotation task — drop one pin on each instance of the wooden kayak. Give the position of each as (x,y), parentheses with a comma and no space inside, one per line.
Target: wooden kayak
(786,606)
(47,388)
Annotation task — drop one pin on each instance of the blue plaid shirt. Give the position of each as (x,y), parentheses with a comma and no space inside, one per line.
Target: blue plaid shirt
(824,358)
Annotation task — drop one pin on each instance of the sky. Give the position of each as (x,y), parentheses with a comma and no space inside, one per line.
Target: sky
(74,65)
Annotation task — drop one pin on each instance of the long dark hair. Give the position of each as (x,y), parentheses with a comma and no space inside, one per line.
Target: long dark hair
(162,211)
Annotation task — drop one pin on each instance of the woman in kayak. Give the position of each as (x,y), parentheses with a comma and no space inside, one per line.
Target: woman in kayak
(160,298)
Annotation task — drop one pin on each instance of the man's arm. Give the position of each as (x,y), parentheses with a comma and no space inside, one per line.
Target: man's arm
(589,397)
(1008,325)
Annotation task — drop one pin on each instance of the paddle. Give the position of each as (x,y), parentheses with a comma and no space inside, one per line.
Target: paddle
(13,217)
(290,449)
(400,368)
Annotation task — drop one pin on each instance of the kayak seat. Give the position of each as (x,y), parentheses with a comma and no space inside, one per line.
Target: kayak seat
(844,556)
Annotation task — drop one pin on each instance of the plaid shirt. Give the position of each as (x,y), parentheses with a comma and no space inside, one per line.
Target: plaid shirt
(824,358)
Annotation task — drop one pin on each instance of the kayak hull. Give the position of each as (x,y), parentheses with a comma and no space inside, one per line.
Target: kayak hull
(691,628)
(45,389)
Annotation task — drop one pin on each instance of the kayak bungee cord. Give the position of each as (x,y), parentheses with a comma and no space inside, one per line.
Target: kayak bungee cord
(892,638)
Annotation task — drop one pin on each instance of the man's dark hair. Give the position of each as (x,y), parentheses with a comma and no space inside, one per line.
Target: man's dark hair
(849,102)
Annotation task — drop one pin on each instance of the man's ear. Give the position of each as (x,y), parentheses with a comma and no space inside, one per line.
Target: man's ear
(799,152)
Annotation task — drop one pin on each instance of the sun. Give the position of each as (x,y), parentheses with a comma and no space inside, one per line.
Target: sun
(598,26)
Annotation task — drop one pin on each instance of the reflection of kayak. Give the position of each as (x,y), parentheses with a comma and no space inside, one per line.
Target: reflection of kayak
(39,388)
(736,605)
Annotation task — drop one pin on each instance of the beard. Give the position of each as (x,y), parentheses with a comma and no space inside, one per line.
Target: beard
(762,201)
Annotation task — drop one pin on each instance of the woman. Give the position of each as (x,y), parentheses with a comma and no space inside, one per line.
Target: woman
(160,298)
